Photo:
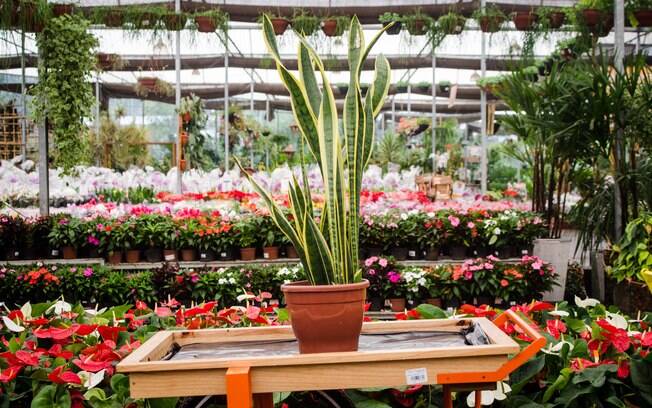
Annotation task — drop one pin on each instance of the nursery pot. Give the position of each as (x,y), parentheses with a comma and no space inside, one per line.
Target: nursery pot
(413,254)
(374,251)
(270,252)
(417,27)
(132,256)
(326,318)
(393,30)
(29,253)
(598,22)
(147,82)
(61,9)
(291,251)
(632,296)
(400,253)
(432,254)
(398,304)
(457,252)
(247,254)
(329,28)
(644,18)
(92,253)
(13,254)
(182,164)
(69,252)
(434,301)
(556,19)
(376,303)
(184,138)
(115,257)
(280,25)
(205,24)
(490,24)
(524,20)
(55,253)
(226,254)
(113,19)
(188,254)
(153,255)
(170,255)
(207,255)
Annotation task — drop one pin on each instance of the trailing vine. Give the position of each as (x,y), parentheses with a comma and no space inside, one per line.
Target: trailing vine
(64,93)
(194,122)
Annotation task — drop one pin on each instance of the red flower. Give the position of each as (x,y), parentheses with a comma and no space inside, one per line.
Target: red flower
(110,333)
(482,311)
(27,358)
(555,327)
(57,351)
(60,376)
(623,369)
(9,374)
(617,337)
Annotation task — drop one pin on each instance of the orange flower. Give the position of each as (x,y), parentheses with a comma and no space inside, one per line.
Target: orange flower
(504,283)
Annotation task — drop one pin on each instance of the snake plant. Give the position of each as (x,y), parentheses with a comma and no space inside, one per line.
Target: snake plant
(327,243)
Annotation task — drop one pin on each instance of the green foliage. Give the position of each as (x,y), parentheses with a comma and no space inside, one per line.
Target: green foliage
(195,150)
(304,23)
(500,173)
(117,146)
(634,250)
(64,94)
(329,251)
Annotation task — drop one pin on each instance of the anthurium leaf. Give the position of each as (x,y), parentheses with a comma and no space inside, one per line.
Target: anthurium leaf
(116,312)
(428,311)
(526,372)
(51,396)
(559,384)
(641,373)
(162,402)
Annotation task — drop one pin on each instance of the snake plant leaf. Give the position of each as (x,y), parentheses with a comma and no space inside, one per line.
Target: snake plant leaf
(307,72)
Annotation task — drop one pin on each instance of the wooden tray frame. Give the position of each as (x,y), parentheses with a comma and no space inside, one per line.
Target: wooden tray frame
(151,377)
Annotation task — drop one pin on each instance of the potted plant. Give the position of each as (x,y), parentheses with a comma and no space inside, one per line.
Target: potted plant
(66,235)
(174,21)
(640,12)
(417,23)
(444,86)
(246,232)
(13,234)
(188,238)
(430,239)
(551,17)
(394,290)
(375,269)
(127,236)
(391,22)
(434,288)
(279,23)
(331,265)
(451,23)
(60,9)
(597,15)
(525,20)
(490,18)
(454,232)
(304,23)
(113,18)
(210,21)
(153,231)
(334,26)
(268,231)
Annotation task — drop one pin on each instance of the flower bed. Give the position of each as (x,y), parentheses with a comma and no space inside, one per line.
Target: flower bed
(58,354)
(480,278)
(218,234)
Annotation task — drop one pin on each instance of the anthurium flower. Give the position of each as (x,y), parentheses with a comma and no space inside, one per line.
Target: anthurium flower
(555,327)
(9,374)
(110,332)
(588,302)
(28,358)
(617,337)
(54,333)
(11,326)
(62,376)
(482,311)
(57,351)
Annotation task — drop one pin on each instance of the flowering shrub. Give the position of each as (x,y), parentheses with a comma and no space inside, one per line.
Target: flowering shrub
(60,355)
(375,269)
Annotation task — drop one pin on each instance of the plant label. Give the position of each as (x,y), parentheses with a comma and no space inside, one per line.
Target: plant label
(169,257)
(55,252)
(202,255)
(223,254)
(416,376)
(265,255)
(412,253)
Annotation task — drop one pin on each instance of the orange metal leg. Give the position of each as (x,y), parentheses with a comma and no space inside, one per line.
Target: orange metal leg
(478,399)
(238,388)
(264,400)
(448,396)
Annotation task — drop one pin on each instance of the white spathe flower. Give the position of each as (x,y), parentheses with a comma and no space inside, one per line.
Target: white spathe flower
(11,325)
(497,231)
(26,310)
(404,216)
(588,302)
(618,321)
(560,313)
(488,397)
(90,380)
(59,307)
(555,349)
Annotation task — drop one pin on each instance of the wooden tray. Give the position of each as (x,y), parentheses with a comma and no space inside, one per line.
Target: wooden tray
(151,375)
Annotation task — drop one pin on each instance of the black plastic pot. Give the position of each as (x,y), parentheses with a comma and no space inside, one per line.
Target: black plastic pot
(414,254)
(457,252)
(153,255)
(432,254)
(377,303)
(393,30)
(400,253)
(226,255)
(374,251)
(207,255)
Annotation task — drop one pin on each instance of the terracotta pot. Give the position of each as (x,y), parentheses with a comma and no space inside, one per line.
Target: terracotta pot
(418,27)
(598,22)
(329,27)
(524,20)
(490,24)
(182,164)
(113,18)
(170,255)
(592,17)
(69,252)
(175,22)
(556,19)
(188,254)
(186,117)
(205,24)
(457,252)
(270,252)
(280,25)
(326,318)
(434,301)
(291,252)
(132,256)
(207,255)
(432,254)
(398,304)
(644,18)
(153,255)
(184,138)
(393,30)
(400,253)
(247,254)
(61,9)
(115,257)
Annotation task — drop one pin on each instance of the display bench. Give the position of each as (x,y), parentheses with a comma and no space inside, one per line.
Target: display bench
(248,364)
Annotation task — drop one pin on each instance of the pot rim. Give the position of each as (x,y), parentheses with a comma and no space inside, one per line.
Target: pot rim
(304,286)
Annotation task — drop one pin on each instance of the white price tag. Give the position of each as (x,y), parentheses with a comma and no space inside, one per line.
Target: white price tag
(416,376)
(169,257)
(223,254)
(16,253)
(55,252)
(412,253)
(265,255)
(202,255)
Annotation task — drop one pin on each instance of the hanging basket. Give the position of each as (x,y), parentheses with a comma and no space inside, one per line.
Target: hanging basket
(395,29)
(524,20)
(490,24)
(174,22)
(280,24)
(62,9)
(556,19)
(114,18)
(205,24)
(329,27)
(644,18)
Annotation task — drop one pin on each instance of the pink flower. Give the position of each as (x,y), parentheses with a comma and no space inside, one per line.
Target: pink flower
(370,261)
(537,265)
(93,241)
(488,265)
(454,220)
(382,262)
(371,272)
(470,225)
(88,272)
(394,277)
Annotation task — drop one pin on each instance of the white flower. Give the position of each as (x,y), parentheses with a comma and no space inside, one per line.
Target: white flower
(404,216)
(11,325)
(556,348)
(560,313)
(90,380)
(497,231)
(59,307)
(617,320)
(588,302)
(488,397)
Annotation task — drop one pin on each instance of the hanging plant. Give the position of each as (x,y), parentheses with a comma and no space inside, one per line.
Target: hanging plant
(490,19)
(335,26)
(64,93)
(210,21)
(279,23)
(551,18)
(109,62)
(61,9)
(191,110)
(417,23)
(389,18)
(174,21)
(451,23)
(153,85)
(28,15)
(525,20)
(304,23)
(639,13)
(596,15)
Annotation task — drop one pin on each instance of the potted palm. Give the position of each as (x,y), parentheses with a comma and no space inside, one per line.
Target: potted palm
(329,253)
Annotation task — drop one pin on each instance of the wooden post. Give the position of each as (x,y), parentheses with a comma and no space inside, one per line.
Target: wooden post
(264,400)
(238,388)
